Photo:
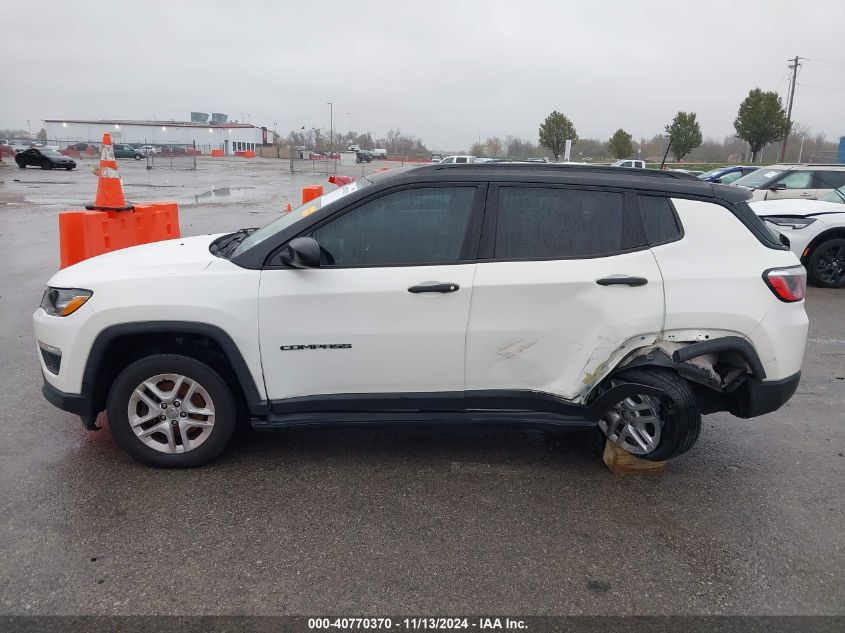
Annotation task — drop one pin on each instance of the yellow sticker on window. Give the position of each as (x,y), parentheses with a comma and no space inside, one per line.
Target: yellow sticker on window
(309,211)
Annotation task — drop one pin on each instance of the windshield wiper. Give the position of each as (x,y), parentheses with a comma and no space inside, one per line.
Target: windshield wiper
(228,243)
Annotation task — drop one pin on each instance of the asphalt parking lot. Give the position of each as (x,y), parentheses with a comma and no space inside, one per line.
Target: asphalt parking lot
(410,520)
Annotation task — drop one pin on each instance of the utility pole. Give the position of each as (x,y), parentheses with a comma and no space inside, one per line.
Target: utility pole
(793,66)
(331,125)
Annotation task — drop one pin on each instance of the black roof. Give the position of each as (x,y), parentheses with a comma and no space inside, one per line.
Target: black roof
(669,182)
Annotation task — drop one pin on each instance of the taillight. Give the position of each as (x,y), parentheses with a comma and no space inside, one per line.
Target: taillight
(788,284)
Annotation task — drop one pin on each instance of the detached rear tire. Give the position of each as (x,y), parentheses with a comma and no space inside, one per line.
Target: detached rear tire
(651,427)
(171,411)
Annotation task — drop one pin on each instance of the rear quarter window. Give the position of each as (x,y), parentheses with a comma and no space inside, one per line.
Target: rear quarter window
(660,221)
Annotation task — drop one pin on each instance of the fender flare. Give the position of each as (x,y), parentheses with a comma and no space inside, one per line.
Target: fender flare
(257,405)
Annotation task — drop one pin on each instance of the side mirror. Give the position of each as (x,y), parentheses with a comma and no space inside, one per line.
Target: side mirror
(719,180)
(777,187)
(301,252)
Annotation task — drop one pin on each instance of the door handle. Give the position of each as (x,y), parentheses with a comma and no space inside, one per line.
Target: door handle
(622,280)
(434,286)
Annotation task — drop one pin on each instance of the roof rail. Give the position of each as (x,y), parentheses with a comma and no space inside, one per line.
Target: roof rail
(606,169)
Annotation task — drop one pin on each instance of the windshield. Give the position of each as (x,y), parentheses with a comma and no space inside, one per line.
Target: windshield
(712,172)
(837,195)
(757,178)
(292,217)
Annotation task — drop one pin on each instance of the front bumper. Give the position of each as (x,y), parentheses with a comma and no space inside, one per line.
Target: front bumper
(759,397)
(82,404)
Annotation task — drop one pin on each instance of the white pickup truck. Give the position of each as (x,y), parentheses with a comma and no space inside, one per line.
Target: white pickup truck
(630,163)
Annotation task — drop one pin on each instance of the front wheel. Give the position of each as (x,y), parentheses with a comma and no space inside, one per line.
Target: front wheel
(655,428)
(171,411)
(826,264)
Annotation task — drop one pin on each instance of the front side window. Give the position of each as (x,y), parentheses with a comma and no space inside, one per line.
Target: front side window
(413,226)
(546,223)
(731,177)
(797,180)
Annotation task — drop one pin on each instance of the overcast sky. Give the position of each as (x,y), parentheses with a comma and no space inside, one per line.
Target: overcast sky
(444,71)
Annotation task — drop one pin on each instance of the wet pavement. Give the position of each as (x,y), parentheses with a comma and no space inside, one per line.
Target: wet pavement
(419,520)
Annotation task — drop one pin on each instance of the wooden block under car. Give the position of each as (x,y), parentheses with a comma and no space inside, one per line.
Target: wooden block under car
(621,462)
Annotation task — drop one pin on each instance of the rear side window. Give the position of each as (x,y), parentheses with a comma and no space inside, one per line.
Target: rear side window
(659,220)
(546,223)
(830,179)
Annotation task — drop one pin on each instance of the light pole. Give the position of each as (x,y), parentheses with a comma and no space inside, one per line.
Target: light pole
(349,114)
(331,125)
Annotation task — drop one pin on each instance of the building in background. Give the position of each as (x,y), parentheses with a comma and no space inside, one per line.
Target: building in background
(217,134)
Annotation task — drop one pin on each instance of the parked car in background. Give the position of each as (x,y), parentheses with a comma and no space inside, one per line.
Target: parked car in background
(378,153)
(816,233)
(149,149)
(363,156)
(353,148)
(19,146)
(630,163)
(43,158)
(451,160)
(809,181)
(82,147)
(436,158)
(727,174)
(127,151)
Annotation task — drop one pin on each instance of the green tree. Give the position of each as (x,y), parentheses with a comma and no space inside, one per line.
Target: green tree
(477,149)
(684,133)
(555,131)
(761,120)
(620,145)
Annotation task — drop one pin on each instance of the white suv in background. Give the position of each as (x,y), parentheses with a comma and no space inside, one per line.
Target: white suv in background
(816,233)
(526,294)
(807,181)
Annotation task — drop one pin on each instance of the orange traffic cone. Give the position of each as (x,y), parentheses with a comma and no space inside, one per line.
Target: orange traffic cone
(109,192)
(288,208)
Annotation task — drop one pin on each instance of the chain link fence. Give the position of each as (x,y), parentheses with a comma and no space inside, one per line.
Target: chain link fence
(156,155)
(171,155)
(307,162)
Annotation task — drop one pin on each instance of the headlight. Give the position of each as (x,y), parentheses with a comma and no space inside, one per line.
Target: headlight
(790,223)
(64,301)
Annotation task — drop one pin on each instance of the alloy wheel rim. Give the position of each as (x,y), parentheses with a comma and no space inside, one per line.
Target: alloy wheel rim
(171,413)
(830,266)
(634,424)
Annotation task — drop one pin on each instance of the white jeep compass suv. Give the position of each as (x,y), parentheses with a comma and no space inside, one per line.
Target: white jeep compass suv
(531,294)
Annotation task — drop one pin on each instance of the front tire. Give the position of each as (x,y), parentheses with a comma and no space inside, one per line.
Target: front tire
(651,427)
(826,264)
(171,411)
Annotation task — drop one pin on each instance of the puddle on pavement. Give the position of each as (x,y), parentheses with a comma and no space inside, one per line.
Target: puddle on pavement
(220,193)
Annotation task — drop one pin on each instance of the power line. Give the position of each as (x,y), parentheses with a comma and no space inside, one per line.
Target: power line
(823,87)
(824,62)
